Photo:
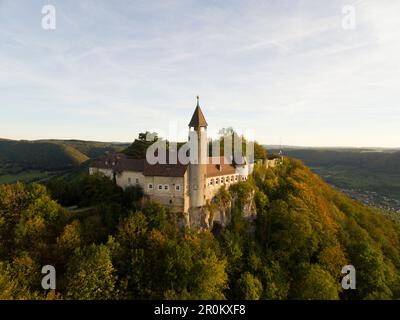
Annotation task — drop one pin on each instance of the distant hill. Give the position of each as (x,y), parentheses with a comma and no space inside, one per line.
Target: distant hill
(383,161)
(373,170)
(39,160)
(91,149)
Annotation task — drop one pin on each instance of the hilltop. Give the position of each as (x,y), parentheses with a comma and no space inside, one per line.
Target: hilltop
(303,233)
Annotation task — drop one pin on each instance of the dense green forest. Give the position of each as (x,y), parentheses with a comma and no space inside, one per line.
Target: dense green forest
(124,247)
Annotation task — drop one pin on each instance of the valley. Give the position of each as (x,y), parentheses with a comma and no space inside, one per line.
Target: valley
(371,176)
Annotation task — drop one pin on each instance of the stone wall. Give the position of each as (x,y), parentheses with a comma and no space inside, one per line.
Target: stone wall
(204,218)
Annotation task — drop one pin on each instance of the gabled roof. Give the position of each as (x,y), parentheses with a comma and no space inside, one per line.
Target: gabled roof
(135,165)
(198,119)
(164,170)
(119,162)
(221,169)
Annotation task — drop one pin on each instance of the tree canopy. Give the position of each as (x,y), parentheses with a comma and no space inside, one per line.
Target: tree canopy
(116,244)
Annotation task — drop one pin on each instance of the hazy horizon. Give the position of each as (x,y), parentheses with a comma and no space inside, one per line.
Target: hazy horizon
(272,146)
(290,71)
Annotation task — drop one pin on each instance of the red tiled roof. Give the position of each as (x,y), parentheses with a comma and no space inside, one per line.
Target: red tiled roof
(164,170)
(109,161)
(130,165)
(223,168)
(119,162)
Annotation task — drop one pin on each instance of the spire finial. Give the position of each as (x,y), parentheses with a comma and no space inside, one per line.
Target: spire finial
(198,119)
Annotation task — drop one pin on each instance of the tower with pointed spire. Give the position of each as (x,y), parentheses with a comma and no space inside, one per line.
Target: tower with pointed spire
(185,187)
(198,165)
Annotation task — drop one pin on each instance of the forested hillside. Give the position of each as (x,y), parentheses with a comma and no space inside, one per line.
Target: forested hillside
(92,149)
(125,247)
(367,174)
(39,160)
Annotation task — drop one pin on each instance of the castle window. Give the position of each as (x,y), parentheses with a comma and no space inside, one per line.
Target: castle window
(150,186)
(170,201)
(232,178)
(137,180)
(217,181)
(236,178)
(212,181)
(177,187)
(160,187)
(166,187)
(129,181)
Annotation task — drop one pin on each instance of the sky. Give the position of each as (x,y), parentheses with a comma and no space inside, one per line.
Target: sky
(294,72)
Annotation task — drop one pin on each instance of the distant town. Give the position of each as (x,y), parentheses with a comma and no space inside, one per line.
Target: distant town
(372,198)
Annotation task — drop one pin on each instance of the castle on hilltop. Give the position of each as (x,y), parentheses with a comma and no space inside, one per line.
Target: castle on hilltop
(183,187)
